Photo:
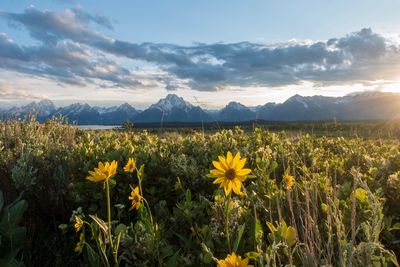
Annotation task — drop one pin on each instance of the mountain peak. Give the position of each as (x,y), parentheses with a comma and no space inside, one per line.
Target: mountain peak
(42,108)
(173,97)
(296,97)
(127,108)
(171,101)
(236,106)
(46,102)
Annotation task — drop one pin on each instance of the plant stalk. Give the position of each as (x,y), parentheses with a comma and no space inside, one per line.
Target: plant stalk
(228,239)
(115,253)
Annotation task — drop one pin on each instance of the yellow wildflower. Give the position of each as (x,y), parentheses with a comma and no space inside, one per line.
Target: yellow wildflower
(78,223)
(324,207)
(136,198)
(288,181)
(230,173)
(130,166)
(103,172)
(232,260)
(80,244)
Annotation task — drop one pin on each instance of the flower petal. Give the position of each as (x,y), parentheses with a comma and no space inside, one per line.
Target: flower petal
(223,162)
(243,172)
(237,187)
(227,188)
(219,180)
(241,178)
(240,164)
(217,172)
(235,160)
(219,166)
(229,158)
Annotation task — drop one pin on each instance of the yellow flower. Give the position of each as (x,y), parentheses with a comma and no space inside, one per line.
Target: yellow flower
(130,166)
(230,173)
(103,172)
(80,244)
(78,223)
(136,198)
(288,181)
(232,260)
(324,207)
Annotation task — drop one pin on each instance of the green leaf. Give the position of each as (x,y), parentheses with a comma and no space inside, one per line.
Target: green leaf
(290,236)
(272,167)
(140,173)
(121,228)
(94,259)
(172,261)
(102,224)
(116,243)
(207,258)
(188,195)
(257,232)
(13,214)
(396,226)
(252,255)
(271,227)
(251,176)
(112,182)
(361,195)
(239,237)
(17,236)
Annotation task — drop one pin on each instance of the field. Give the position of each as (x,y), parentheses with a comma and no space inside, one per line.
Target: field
(306,195)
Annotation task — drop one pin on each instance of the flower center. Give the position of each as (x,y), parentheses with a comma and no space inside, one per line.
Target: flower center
(230,174)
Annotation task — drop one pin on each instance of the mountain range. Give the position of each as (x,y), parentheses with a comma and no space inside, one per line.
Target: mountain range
(358,106)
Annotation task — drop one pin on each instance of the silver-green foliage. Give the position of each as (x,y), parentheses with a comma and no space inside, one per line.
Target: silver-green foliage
(12,236)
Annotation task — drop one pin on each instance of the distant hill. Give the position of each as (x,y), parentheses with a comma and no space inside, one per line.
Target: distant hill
(172,108)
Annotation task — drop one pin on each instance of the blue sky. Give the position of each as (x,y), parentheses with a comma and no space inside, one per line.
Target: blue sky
(211,51)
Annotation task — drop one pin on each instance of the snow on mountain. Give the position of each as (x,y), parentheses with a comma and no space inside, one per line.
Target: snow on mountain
(297,98)
(41,109)
(236,106)
(75,108)
(172,101)
(172,108)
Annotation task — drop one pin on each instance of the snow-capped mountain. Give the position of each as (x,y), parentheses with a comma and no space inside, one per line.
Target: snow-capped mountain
(173,108)
(300,108)
(118,114)
(80,113)
(360,106)
(41,110)
(170,102)
(235,111)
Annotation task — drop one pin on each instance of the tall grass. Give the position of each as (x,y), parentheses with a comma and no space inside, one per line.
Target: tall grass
(341,211)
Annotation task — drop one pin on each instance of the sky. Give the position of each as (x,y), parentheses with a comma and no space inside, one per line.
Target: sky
(210,52)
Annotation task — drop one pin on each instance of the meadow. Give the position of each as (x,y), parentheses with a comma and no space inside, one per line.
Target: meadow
(249,196)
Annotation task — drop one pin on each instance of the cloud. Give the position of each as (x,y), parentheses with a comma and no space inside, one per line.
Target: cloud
(86,17)
(67,36)
(66,62)
(9,92)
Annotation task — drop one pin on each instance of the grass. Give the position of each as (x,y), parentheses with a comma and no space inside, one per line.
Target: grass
(342,210)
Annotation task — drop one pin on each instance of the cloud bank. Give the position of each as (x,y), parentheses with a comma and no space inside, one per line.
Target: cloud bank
(70,51)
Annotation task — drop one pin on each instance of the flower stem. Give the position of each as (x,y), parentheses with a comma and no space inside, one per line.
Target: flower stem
(154,226)
(109,222)
(227,223)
